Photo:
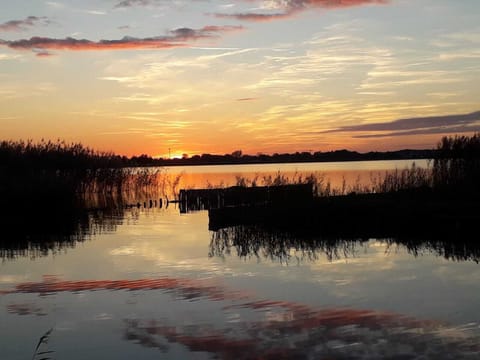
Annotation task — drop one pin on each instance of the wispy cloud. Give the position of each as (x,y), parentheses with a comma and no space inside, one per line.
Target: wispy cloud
(325,58)
(256,17)
(281,9)
(247,99)
(457,46)
(417,126)
(176,38)
(8,57)
(130,3)
(122,4)
(25,24)
(55,4)
(12,90)
(95,12)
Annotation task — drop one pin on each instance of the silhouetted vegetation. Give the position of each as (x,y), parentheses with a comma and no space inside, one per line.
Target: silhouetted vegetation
(457,164)
(456,169)
(58,174)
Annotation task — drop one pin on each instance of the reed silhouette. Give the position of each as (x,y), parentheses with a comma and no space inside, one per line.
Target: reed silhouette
(40,353)
(456,166)
(59,174)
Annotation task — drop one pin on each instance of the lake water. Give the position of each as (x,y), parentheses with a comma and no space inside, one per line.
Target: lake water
(335,172)
(151,283)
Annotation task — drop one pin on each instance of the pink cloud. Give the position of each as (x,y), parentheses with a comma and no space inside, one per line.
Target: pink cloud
(21,25)
(176,38)
(292,7)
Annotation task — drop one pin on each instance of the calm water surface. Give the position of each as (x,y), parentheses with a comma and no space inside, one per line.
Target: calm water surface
(155,284)
(360,172)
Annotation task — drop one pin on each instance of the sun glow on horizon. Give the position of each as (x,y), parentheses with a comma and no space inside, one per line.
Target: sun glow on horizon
(173,155)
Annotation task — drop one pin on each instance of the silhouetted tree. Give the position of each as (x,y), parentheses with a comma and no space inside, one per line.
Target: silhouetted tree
(237,154)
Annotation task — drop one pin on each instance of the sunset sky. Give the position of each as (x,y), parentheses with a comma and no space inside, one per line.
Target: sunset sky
(205,76)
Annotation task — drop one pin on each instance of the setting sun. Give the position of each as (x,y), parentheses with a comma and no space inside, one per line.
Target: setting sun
(172,155)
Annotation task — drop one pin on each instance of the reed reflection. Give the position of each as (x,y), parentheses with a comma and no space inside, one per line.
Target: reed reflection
(257,241)
(51,231)
(285,246)
(44,221)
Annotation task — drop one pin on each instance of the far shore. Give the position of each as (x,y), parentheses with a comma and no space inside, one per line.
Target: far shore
(290,158)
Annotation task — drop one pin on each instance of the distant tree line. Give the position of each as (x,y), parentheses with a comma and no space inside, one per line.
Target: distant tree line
(237,157)
(62,156)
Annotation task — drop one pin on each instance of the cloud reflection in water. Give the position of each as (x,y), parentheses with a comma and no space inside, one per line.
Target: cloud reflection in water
(269,329)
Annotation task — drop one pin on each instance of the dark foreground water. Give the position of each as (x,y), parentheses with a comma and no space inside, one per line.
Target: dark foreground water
(151,283)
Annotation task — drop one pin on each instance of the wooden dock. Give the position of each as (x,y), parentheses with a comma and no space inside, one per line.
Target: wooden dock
(393,214)
(205,199)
